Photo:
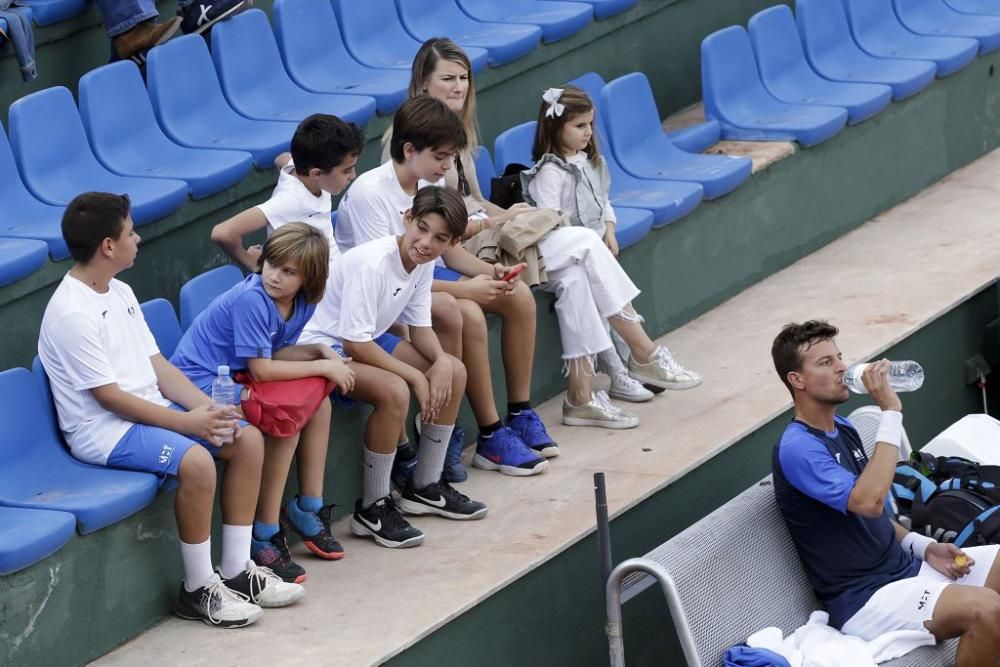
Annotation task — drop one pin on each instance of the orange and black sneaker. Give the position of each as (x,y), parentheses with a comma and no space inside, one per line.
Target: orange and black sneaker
(274,554)
(313,528)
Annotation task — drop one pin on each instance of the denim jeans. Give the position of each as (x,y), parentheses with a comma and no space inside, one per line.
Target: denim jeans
(122,15)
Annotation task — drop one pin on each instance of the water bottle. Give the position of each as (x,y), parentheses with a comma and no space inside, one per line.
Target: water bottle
(903,376)
(224,396)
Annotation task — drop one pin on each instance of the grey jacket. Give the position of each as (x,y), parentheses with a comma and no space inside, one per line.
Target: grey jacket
(592,184)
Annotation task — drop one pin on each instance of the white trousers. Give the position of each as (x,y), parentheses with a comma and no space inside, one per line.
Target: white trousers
(590,286)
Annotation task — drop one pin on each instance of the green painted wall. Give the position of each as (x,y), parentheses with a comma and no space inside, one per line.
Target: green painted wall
(554,615)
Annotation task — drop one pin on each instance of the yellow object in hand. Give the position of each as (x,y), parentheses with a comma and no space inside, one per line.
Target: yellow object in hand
(961,560)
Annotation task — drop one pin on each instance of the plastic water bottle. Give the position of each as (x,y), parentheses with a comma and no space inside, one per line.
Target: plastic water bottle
(224,396)
(903,376)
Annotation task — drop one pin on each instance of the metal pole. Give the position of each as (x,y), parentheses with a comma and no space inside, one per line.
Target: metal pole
(603,527)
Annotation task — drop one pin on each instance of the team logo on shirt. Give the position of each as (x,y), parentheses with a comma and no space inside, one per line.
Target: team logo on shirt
(923,600)
(165,455)
(837,456)
(397,291)
(131,311)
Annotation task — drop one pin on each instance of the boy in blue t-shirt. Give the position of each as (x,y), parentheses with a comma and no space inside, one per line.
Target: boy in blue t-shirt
(254,327)
(871,574)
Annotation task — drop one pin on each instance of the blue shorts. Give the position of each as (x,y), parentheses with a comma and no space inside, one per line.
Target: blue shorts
(444,273)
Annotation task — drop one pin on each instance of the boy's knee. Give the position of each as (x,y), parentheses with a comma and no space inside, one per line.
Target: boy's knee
(446,312)
(473,318)
(458,375)
(395,396)
(197,471)
(250,445)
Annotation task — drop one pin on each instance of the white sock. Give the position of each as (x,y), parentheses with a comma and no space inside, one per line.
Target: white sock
(430,458)
(378,472)
(197,560)
(235,549)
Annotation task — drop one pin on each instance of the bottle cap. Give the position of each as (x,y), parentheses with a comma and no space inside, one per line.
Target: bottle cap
(224,370)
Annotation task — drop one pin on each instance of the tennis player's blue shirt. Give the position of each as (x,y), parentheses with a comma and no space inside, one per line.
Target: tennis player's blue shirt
(846,556)
(240,324)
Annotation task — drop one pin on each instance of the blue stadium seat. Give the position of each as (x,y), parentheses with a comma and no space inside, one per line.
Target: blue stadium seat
(787,76)
(513,146)
(57,163)
(934,17)
(256,83)
(833,53)
(642,149)
(47,12)
(123,132)
(38,472)
(988,7)
(20,258)
(665,200)
(878,31)
(604,9)
(201,290)
(25,217)
(696,138)
(317,59)
(632,225)
(484,171)
(504,41)
(375,36)
(736,97)
(557,20)
(28,536)
(192,110)
(162,321)
(3,28)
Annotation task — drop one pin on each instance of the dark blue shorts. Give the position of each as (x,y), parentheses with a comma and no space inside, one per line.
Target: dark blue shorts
(444,273)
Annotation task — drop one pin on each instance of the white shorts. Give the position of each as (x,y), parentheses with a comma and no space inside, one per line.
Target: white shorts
(907,603)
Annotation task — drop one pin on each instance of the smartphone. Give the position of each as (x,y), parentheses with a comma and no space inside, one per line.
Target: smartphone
(514,273)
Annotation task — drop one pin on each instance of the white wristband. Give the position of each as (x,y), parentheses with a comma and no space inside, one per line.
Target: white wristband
(890,429)
(917,544)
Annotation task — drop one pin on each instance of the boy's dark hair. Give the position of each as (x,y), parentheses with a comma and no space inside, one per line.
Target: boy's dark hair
(323,141)
(794,338)
(304,246)
(447,203)
(89,219)
(425,122)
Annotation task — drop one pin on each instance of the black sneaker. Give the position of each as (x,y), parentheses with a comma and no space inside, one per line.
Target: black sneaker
(442,499)
(199,16)
(403,466)
(274,555)
(383,522)
(216,605)
(321,542)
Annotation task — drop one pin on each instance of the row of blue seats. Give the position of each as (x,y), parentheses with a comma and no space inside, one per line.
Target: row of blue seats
(834,62)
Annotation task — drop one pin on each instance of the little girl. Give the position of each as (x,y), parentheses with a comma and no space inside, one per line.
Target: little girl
(254,327)
(570,176)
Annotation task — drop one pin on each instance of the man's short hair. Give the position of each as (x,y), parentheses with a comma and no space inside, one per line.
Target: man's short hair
(793,340)
(446,202)
(304,246)
(89,219)
(425,122)
(323,142)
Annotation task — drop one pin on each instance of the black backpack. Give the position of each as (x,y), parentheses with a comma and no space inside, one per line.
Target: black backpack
(953,472)
(505,190)
(963,516)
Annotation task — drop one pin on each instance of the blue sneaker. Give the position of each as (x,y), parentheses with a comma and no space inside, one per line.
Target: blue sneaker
(454,471)
(529,427)
(506,452)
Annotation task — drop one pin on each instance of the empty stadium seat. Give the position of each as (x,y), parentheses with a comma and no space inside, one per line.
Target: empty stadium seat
(315,56)
(47,12)
(123,132)
(642,149)
(503,41)
(57,162)
(20,258)
(25,217)
(665,200)
(38,472)
(989,7)
(192,110)
(934,17)
(29,535)
(878,31)
(201,290)
(162,322)
(375,36)
(604,9)
(557,20)
(484,171)
(632,225)
(833,53)
(696,138)
(255,81)
(787,76)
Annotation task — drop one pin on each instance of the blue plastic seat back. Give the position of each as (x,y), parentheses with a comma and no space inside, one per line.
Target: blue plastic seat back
(632,122)
(162,321)
(30,430)
(604,9)
(557,19)
(776,45)
(20,258)
(47,12)
(484,171)
(513,146)
(374,33)
(30,535)
(197,293)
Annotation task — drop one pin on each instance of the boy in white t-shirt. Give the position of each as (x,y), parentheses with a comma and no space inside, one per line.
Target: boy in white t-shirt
(374,285)
(122,405)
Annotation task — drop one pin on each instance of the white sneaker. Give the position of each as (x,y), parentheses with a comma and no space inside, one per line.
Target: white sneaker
(662,370)
(217,605)
(625,388)
(598,412)
(261,586)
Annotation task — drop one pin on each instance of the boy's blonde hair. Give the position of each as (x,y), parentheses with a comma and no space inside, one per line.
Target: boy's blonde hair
(304,246)
(574,102)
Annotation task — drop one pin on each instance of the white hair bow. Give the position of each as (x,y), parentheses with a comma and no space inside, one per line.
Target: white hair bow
(552,96)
